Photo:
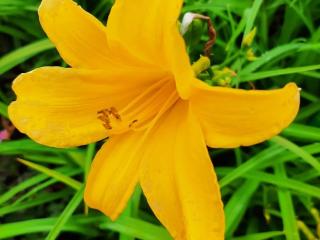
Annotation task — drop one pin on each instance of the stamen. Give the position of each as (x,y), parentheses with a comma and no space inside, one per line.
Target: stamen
(114,112)
(140,108)
(105,114)
(142,96)
(133,122)
(139,111)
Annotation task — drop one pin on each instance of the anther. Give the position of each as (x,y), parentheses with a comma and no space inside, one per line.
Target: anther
(113,111)
(105,114)
(133,122)
(107,126)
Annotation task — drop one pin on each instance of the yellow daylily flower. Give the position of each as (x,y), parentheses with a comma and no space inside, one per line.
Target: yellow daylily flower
(132,81)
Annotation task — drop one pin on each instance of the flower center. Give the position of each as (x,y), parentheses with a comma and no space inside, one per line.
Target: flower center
(106,114)
(137,113)
(110,117)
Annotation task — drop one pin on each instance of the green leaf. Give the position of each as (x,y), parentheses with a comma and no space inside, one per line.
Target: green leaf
(27,145)
(291,184)
(251,164)
(12,31)
(217,4)
(260,236)
(302,132)
(287,207)
(65,215)
(91,150)
(20,55)
(11,230)
(41,186)
(252,16)
(307,175)
(238,204)
(3,110)
(278,72)
(137,228)
(22,186)
(39,200)
(238,31)
(31,181)
(277,53)
(55,174)
(308,158)
(308,111)
(132,210)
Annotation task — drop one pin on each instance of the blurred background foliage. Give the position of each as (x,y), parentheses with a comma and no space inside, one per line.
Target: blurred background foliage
(270,190)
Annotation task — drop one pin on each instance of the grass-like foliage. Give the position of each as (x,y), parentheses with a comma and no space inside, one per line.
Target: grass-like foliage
(270,190)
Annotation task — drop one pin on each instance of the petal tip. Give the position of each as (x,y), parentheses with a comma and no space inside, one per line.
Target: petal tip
(49,6)
(273,108)
(50,9)
(93,203)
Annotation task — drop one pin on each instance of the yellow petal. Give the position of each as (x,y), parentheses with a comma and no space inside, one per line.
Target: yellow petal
(149,29)
(114,173)
(179,181)
(79,37)
(179,62)
(233,117)
(58,106)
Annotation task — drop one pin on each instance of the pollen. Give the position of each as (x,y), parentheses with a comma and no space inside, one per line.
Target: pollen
(113,120)
(114,112)
(105,115)
(132,123)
